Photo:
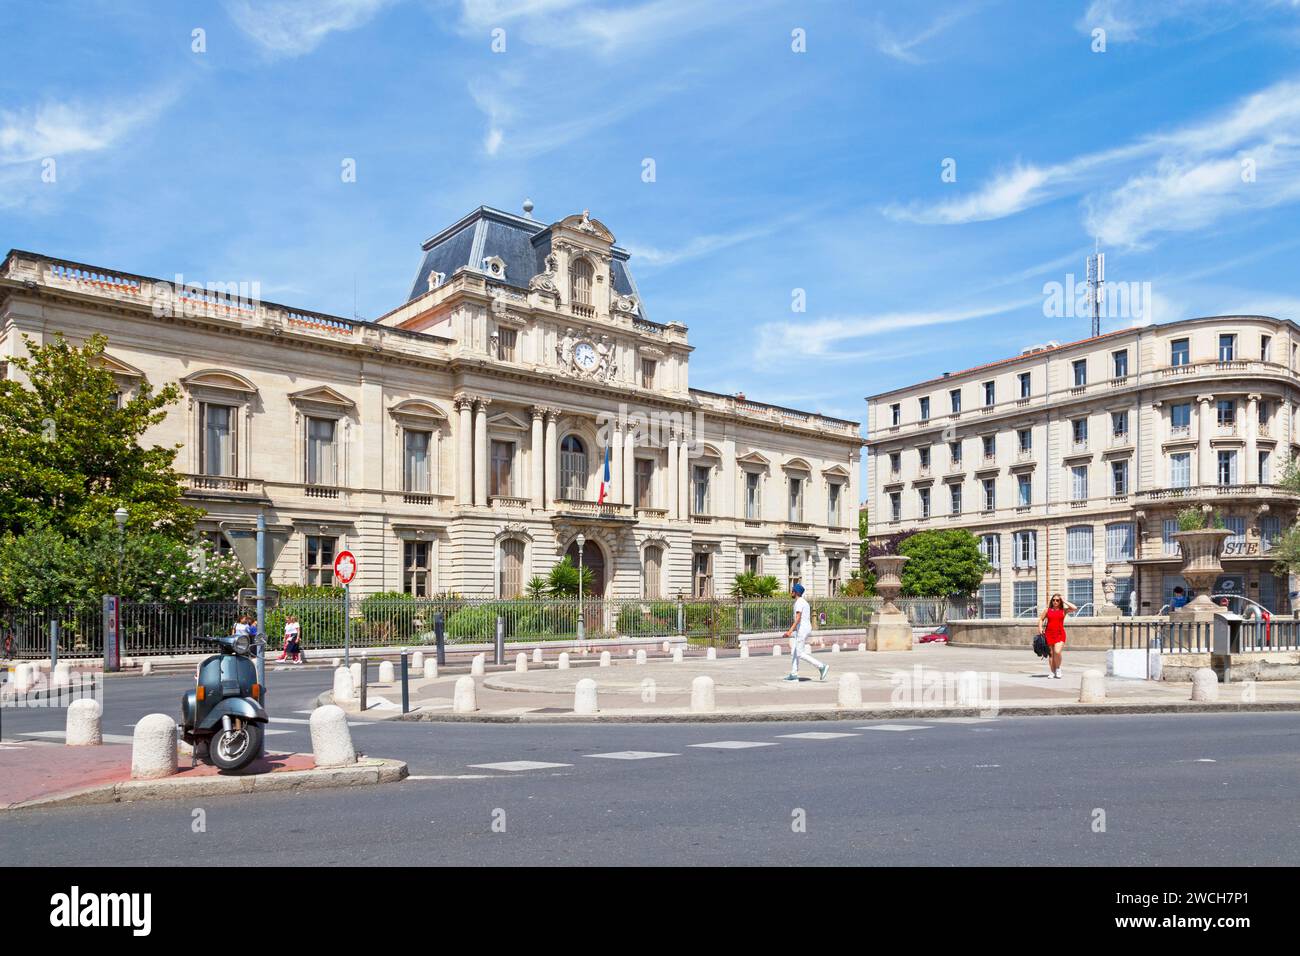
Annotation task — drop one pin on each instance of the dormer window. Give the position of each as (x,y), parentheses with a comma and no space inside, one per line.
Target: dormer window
(580,282)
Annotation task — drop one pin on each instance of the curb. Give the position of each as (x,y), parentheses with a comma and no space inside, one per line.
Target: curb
(368,771)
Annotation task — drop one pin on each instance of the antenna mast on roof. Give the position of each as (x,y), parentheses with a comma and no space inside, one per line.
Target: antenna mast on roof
(1096,279)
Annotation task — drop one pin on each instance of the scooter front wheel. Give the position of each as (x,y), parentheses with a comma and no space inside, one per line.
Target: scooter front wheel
(236,749)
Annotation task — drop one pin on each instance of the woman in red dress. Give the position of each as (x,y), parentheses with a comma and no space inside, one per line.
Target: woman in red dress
(1051,624)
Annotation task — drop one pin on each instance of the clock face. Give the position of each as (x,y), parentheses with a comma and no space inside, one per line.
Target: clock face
(584,356)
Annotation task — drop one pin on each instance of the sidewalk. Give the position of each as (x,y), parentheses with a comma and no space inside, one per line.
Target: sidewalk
(931,677)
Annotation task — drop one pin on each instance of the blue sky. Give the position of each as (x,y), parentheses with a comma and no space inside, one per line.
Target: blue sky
(775,170)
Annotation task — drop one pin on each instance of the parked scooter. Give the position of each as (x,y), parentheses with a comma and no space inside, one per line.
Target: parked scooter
(226,710)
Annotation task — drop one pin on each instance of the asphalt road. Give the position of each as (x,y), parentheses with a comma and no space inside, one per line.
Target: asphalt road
(1197,790)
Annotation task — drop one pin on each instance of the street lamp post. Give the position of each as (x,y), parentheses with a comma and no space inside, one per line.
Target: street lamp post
(120,516)
(582,624)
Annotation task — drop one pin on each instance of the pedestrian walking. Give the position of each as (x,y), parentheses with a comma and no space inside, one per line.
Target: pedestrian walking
(292,640)
(797,633)
(1051,624)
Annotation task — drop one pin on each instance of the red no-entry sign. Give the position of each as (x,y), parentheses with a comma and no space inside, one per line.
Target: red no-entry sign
(345,567)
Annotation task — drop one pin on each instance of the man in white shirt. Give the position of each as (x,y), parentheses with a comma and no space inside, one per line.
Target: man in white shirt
(798,633)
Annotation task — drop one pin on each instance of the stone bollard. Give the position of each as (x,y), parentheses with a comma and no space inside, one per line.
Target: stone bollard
(84,723)
(850,690)
(478,666)
(744,652)
(1092,690)
(537,655)
(667,647)
(153,747)
(331,740)
(465,700)
(862,647)
(62,676)
(604,659)
(776,650)
(146,668)
(417,662)
(1205,684)
(631,653)
(563,662)
(835,648)
(344,688)
(702,701)
(431,668)
(356,674)
(521,663)
(584,697)
(711,654)
(640,657)
(677,655)
(385,672)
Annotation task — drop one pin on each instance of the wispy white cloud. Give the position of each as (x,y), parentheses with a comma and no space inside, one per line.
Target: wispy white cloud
(903,49)
(288,28)
(1131,20)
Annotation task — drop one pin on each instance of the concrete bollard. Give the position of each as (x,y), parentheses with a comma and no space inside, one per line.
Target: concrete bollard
(604,659)
(153,747)
(702,699)
(776,650)
(631,653)
(711,654)
(537,655)
(146,668)
(344,689)
(584,697)
(563,662)
(521,663)
(862,647)
(667,647)
(478,666)
(84,727)
(430,668)
(1092,689)
(465,698)
(1205,684)
(385,672)
(331,740)
(356,674)
(744,652)
(835,648)
(417,662)
(850,692)
(640,657)
(677,655)
(62,676)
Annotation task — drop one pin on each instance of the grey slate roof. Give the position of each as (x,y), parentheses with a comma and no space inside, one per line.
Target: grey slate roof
(522,244)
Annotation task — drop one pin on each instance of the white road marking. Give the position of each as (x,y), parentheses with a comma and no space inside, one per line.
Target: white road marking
(632,755)
(987,766)
(896,727)
(454,776)
(61,734)
(816,735)
(298,720)
(960,720)
(737,744)
(517,765)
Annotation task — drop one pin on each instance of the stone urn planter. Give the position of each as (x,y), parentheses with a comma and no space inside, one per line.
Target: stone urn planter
(1201,552)
(888,582)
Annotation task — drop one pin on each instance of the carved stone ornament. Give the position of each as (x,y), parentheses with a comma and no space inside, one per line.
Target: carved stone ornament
(626,304)
(545,281)
(588,357)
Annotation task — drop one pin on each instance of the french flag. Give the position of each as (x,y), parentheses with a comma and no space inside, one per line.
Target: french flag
(605,480)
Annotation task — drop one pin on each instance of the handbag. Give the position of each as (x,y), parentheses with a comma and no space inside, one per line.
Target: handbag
(1040,645)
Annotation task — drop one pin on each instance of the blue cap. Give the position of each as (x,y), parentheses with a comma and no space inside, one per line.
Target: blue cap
(798,589)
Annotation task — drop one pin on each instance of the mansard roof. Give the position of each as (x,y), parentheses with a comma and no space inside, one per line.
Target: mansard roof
(521,244)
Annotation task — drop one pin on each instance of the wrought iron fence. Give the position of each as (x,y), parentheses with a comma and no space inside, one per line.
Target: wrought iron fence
(1169,637)
(25,631)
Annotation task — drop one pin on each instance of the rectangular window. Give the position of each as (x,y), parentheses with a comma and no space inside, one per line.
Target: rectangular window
(1079,483)
(991,548)
(895,414)
(751,564)
(1119,424)
(1079,431)
(703,564)
(895,506)
(1119,541)
(1024,491)
(506,341)
(923,500)
(954,492)
(1265,348)
(1180,352)
(990,446)
(700,490)
(1024,384)
(955,398)
(990,494)
(925,409)
(1270,529)
(1078,591)
(1078,545)
(510,575)
(1124,595)
(1080,372)
(322,457)
(1119,477)
(1180,470)
(923,453)
(895,461)
(753,496)
(1264,476)
(1120,361)
(217,450)
(503,458)
(833,504)
(1024,598)
(648,373)
(651,573)
(954,453)
(1227,467)
(988,393)
(1227,347)
(416,474)
(318,559)
(1226,409)
(1026,438)
(1026,549)
(833,575)
(415,568)
(1167,531)
(1180,416)
(796,499)
(991,600)
(1237,525)
(645,472)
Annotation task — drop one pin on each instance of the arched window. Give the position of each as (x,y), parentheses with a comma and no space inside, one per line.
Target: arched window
(580,280)
(510,576)
(573,468)
(651,567)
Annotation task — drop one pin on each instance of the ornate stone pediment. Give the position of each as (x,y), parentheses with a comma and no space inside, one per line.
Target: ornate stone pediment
(584,223)
(417,412)
(322,400)
(220,380)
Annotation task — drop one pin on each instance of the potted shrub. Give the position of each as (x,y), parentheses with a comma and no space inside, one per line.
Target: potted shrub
(1200,536)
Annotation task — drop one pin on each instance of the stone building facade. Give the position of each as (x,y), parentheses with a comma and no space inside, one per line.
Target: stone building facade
(1071,462)
(460,442)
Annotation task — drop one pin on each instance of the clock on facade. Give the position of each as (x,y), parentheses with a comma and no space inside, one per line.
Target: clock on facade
(584,356)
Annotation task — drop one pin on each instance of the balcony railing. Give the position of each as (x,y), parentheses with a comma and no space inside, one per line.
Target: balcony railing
(508,502)
(222,484)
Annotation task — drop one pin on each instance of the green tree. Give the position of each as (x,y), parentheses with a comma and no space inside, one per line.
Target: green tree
(944,562)
(562,582)
(747,584)
(71,453)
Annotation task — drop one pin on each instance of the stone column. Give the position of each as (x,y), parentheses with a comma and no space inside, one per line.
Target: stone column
(629,465)
(537,455)
(552,454)
(672,476)
(614,492)
(481,451)
(1204,429)
(465,451)
(684,479)
(1252,433)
